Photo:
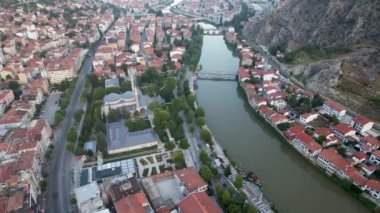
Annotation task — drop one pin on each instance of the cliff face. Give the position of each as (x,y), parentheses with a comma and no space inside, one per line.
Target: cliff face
(352,78)
(324,22)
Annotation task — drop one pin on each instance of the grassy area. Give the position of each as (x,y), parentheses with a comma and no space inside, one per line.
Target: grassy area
(143,162)
(145,172)
(162,168)
(150,159)
(133,153)
(178,159)
(312,53)
(159,158)
(320,122)
(154,171)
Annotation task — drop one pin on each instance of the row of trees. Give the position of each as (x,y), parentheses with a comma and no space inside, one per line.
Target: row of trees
(67,87)
(194,48)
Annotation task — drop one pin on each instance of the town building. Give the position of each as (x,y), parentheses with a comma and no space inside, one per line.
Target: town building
(88,198)
(333,109)
(362,124)
(198,202)
(120,139)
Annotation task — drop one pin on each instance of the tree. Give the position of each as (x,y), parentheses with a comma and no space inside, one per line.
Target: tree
(317,100)
(170,83)
(43,184)
(233,208)
(189,116)
(206,136)
(218,189)
(205,158)
(334,120)
(283,126)
(248,208)
(238,181)
(78,114)
(14,85)
(183,144)
(206,173)
(101,141)
(70,147)
(73,201)
(89,153)
(72,135)
(227,171)
(320,139)
(124,67)
(201,121)
(169,145)
(58,118)
(292,100)
(199,112)
(191,100)
(225,197)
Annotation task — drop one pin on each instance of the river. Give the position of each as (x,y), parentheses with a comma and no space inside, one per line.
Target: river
(289,181)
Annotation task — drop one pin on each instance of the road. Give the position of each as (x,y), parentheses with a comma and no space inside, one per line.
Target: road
(60,178)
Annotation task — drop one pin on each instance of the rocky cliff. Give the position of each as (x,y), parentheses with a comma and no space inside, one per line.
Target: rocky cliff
(352,78)
(324,22)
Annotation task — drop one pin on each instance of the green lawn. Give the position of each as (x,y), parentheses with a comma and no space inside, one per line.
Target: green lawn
(150,159)
(143,162)
(178,159)
(154,171)
(145,172)
(162,168)
(159,158)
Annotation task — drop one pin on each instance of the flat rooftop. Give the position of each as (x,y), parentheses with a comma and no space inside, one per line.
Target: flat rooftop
(164,191)
(118,136)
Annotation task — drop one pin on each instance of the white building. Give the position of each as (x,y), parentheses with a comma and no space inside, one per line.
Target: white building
(375,157)
(130,100)
(88,198)
(333,109)
(308,117)
(362,124)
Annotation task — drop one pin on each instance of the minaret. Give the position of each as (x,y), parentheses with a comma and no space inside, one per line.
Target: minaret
(134,90)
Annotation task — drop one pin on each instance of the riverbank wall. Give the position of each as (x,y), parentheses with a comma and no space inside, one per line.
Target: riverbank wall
(365,199)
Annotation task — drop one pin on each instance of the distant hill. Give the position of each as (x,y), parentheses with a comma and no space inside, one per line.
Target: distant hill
(333,47)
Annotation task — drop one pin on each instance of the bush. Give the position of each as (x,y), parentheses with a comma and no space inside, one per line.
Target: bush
(183,144)
(169,146)
(283,126)
(206,136)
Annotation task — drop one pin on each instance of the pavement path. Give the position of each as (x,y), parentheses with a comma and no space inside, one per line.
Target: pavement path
(60,178)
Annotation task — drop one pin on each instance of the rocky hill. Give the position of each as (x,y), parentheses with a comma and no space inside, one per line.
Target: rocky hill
(315,33)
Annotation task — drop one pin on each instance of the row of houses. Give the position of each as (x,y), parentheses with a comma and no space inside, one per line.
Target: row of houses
(265,90)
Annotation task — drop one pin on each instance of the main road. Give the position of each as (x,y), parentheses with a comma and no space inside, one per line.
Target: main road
(60,178)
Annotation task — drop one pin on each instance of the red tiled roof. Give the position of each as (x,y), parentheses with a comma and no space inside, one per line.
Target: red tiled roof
(376,153)
(332,156)
(296,130)
(373,184)
(15,202)
(306,115)
(305,138)
(267,111)
(333,105)
(278,117)
(198,202)
(323,131)
(193,181)
(361,120)
(360,155)
(371,140)
(133,203)
(344,128)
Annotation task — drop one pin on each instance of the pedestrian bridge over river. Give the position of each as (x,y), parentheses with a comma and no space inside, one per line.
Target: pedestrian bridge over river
(216,76)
